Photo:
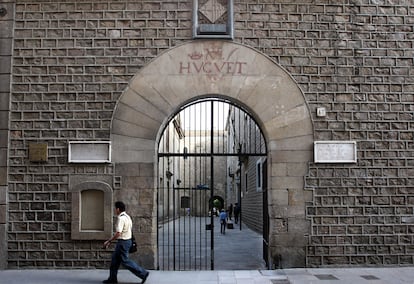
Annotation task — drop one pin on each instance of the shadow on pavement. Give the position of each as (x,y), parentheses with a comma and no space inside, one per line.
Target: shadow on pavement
(238,249)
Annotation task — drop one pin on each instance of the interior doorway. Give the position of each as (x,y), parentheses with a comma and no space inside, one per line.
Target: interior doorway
(212,157)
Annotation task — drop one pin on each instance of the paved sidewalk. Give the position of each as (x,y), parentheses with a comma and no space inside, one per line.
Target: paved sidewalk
(396,275)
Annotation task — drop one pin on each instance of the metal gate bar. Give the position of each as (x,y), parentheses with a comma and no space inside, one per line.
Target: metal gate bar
(186,178)
(182,237)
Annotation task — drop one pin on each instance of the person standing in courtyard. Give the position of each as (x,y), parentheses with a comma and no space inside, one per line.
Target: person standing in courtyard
(236,213)
(123,235)
(230,210)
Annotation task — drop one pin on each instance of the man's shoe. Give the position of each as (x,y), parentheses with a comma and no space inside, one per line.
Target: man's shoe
(109,281)
(145,278)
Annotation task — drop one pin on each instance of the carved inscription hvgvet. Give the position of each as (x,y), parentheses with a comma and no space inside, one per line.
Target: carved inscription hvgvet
(212,61)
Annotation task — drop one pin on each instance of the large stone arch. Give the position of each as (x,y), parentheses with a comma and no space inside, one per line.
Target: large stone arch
(238,72)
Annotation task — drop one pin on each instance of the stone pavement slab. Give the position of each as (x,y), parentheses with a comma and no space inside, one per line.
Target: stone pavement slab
(395,275)
(125,277)
(391,275)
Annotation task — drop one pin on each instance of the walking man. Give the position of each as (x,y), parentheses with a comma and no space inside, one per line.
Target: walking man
(123,235)
(223,221)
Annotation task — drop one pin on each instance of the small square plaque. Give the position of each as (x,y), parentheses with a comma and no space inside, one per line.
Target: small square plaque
(38,152)
(335,152)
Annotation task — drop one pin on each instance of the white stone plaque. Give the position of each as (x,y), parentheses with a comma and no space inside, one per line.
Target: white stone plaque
(89,152)
(335,152)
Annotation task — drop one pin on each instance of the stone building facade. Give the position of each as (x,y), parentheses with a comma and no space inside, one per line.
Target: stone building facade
(116,71)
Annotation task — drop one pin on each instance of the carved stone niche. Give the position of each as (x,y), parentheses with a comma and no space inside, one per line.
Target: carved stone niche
(91,211)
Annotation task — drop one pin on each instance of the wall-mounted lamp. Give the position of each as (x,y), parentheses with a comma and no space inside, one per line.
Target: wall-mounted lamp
(169,174)
(3,12)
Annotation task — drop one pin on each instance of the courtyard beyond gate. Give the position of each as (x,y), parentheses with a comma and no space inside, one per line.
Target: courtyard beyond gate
(235,250)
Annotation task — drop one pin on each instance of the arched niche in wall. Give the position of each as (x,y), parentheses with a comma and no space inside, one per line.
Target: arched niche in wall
(91,211)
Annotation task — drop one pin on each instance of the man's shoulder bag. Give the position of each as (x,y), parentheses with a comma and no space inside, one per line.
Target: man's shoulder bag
(133,247)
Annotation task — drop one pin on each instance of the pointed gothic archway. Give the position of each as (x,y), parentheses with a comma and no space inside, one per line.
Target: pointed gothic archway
(196,69)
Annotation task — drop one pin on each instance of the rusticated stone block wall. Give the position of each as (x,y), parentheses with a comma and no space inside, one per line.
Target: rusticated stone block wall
(355,59)
(73,59)
(6,40)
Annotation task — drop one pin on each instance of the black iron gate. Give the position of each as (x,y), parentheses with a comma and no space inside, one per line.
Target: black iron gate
(199,159)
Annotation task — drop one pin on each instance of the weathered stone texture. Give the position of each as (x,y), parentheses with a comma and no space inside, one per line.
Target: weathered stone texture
(73,59)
